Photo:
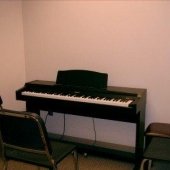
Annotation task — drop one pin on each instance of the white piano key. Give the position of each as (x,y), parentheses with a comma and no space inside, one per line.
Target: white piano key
(88,99)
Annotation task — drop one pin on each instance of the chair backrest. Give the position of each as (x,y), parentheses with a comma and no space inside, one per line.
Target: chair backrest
(0,100)
(24,131)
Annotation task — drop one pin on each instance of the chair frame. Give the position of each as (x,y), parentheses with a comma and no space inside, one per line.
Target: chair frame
(46,152)
(154,132)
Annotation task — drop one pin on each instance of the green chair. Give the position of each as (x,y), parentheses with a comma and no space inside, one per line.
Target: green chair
(24,138)
(157,147)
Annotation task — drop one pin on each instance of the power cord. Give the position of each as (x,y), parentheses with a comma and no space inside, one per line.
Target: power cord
(94,129)
(64,126)
(45,120)
(64,122)
(95,136)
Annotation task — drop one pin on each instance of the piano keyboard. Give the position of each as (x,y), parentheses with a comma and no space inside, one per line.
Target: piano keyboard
(85,99)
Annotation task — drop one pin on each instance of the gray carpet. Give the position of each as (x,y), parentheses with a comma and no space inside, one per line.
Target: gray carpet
(85,163)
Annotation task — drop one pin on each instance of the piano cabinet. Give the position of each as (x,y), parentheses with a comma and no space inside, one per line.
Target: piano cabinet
(134,113)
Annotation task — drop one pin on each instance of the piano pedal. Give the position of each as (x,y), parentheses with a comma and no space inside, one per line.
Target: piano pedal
(85,154)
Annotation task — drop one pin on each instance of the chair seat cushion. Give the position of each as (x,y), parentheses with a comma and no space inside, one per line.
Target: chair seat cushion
(158,149)
(61,149)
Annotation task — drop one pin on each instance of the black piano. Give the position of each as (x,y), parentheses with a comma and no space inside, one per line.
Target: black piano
(85,93)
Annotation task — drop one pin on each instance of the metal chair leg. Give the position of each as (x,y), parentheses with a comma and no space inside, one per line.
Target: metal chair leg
(55,167)
(146,164)
(76,162)
(149,164)
(38,167)
(5,164)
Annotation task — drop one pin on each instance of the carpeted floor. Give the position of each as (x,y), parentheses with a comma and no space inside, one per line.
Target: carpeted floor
(85,163)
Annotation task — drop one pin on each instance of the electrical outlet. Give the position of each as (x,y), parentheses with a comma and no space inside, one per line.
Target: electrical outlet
(50,113)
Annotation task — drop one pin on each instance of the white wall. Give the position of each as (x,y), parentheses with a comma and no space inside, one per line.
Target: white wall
(12,59)
(129,40)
